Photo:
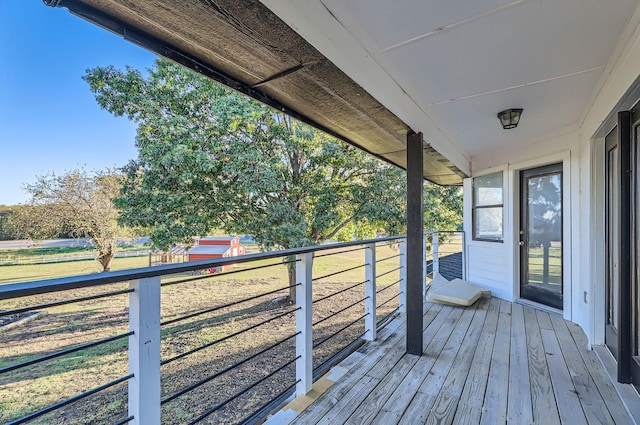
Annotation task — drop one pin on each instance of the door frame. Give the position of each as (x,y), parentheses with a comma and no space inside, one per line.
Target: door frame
(568,227)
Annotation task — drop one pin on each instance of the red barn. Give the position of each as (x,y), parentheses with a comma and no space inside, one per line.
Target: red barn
(211,247)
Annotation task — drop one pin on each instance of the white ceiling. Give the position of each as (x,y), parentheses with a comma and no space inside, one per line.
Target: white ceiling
(446,67)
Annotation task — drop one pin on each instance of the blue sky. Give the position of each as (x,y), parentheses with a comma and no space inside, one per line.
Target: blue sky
(49,120)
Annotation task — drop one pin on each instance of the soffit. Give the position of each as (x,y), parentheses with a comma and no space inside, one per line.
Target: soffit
(248,47)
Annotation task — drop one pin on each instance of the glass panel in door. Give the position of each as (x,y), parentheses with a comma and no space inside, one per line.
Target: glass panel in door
(541,235)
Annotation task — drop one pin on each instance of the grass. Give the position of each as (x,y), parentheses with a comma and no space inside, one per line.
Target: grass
(31,388)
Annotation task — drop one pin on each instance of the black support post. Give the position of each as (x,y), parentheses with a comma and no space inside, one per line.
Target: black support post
(625,241)
(415,258)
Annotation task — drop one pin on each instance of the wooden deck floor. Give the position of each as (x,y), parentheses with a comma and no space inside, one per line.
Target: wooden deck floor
(492,363)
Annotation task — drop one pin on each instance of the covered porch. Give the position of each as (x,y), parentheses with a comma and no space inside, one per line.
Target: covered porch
(493,362)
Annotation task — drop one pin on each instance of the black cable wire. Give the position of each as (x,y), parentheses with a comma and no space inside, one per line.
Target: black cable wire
(341,271)
(63,403)
(388,286)
(193,279)
(58,303)
(215,375)
(390,271)
(340,311)
(343,328)
(125,421)
(389,300)
(249,387)
(210,310)
(339,292)
(340,252)
(387,258)
(212,343)
(64,352)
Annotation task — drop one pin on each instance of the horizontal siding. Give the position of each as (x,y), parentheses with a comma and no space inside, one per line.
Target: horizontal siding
(489,266)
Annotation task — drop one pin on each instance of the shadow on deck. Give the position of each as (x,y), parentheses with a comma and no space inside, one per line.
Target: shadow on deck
(494,362)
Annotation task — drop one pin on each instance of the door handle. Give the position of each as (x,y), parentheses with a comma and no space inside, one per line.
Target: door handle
(521,243)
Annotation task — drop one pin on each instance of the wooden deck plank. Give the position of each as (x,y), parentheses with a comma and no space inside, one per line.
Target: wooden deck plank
(493,363)
(372,404)
(355,396)
(435,338)
(606,389)
(544,409)
(543,320)
(377,352)
(419,408)
(494,410)
(593,406)
(565,392)
(322,405)
(519,405)
(470,406)
(446,403)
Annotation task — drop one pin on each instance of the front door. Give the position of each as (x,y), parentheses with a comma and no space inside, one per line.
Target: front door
(541,235)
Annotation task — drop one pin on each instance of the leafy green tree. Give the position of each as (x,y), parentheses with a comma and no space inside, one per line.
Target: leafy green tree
(80,202)
(212,158)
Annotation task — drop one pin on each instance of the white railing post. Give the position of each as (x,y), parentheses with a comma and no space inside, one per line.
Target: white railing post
(144,351)
(436,256)
(402,307)
(370,292)
(463,255)
(304,317)
(425,237)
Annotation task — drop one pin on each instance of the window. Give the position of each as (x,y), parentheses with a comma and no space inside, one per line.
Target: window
(487,207)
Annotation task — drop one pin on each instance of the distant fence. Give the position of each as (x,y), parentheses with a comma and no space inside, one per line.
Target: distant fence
(48,259)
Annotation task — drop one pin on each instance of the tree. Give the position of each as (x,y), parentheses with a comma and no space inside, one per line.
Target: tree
(212,158)
(79,201)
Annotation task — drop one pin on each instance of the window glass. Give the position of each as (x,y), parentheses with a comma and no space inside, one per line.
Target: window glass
(487,207)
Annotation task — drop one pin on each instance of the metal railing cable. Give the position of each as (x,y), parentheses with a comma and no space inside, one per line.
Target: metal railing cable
(65,352)
(240,393)
(65,302)
(225,370)
(217,341)
(339,252)
(125,420)
(315,279)
(317,344)
(387,317)
(339,292)
(257,417)
(389,300)
(384,288)
(340,311)
(63,403)
(387,258)
(220,307)
(388,272)
(219,275)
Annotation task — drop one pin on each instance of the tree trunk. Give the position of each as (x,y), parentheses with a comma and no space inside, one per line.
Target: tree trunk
(291,267)
(105,256)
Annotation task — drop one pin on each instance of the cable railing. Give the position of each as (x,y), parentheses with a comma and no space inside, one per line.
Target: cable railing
(445,253)
(165,344)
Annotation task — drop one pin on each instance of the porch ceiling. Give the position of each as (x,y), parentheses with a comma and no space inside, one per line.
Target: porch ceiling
(246,46)
(447,67)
